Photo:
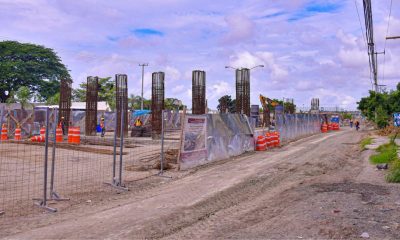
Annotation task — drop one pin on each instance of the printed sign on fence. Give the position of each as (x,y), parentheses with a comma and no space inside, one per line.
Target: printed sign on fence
(396,119)
(194,148)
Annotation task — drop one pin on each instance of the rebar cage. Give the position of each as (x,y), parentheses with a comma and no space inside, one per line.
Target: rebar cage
(91,105)
(157,101)
(198,92)
(121,93)
(65,101)
(243,91)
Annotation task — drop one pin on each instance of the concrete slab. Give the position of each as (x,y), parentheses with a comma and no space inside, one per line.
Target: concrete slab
(377,141)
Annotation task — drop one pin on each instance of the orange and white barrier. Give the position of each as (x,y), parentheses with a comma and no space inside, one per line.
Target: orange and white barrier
(74,135)
(4,133)
(38,139)
(335,126)
(59,135)
(261,143)
(17,135)
(43,131)
(324,128)
(269,139)
(70,134)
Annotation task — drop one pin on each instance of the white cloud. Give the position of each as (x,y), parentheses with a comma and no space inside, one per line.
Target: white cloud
(241,28)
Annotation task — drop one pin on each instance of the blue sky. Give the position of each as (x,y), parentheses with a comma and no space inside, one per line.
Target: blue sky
(309,48)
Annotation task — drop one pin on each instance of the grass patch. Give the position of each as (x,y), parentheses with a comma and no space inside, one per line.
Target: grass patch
(365,142)
(394,172)
(387,153)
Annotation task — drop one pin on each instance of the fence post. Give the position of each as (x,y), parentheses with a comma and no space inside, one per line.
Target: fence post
(162,143)
(1,118)
(43,202)
(122,133)
(115,147)
(161,173)
(53,194)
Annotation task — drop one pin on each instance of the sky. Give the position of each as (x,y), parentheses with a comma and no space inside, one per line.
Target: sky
(310,49)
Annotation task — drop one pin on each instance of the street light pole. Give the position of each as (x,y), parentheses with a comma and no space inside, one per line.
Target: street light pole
(244,99)
(141,99)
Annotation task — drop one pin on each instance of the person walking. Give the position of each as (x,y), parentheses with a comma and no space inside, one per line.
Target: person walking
(103,127)
(61,125)
(351,123)
(357,125)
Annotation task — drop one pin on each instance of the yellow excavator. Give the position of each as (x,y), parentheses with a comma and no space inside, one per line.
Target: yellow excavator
(266,113)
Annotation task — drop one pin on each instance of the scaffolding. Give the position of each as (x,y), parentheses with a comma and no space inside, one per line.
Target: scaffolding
(92,88)
(198,92)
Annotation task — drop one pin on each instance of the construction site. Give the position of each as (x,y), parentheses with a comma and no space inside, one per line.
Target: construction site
(272,150)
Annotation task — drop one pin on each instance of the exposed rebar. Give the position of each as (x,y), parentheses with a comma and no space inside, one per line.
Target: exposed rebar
(157,101)
(121,83)
(243,91)
(91,105)
(198,92)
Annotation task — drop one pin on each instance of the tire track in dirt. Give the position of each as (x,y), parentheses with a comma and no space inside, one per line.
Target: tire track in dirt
(216,214)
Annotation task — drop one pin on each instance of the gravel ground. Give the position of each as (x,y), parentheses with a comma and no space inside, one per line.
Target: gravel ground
(318,187)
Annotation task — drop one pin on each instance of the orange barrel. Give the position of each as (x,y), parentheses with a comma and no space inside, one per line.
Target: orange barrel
(261,144)
(17,135)
(70,132)
(324,128)
(42,131)
(4,133)
(76,137)
(278,139)
(329,126)
(59,135)
(269,140)
(38,139)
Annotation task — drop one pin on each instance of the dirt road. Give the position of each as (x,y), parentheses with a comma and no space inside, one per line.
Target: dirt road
(318,187)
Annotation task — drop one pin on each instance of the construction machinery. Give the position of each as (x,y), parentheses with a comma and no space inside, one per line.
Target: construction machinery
(265,102)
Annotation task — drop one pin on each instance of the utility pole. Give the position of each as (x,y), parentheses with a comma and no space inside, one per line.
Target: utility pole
(376,71)
(141,99)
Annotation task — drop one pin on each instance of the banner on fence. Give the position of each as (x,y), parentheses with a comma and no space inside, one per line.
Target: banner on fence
(194,148)
(396,119)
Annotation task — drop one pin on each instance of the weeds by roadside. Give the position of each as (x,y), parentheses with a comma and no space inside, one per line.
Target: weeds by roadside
(387,153)
(365,142)
(394,172)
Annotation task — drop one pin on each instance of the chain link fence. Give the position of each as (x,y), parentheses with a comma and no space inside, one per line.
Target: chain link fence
(43,167)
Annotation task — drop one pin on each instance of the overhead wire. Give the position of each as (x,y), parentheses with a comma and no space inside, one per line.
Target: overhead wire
(366,44)
(387,34)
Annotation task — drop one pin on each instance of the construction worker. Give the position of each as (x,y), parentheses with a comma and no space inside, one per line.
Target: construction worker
(103,127)
(138,122)
(61,125)
(357,125)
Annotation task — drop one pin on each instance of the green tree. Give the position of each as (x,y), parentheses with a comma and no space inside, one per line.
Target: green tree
(22,96)
(36,67)
(379,107)
(230,103)
(53,100)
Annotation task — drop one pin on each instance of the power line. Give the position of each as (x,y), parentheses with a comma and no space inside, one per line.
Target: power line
(369,33)
(387,33)
(365,42)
